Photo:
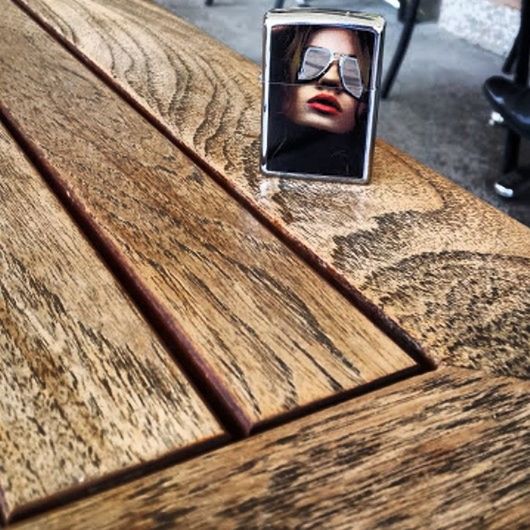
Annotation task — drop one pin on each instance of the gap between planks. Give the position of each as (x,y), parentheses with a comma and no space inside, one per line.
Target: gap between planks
(141,299)
(217,399)
(112,480)
(337,280)
(445,433)
(210,388)
(63,498)
(89,390)
(196,291)
(170,337)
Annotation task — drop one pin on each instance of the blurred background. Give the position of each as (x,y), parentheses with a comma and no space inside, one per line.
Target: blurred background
(436,110)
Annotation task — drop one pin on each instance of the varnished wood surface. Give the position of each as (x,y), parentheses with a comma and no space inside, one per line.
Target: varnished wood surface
(451,271)
(87,390)
(448,449)
(261,325)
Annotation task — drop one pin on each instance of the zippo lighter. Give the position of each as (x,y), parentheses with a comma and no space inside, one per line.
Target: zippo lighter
(321,76)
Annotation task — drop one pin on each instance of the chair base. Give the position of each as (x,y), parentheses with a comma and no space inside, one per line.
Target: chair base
(514,185)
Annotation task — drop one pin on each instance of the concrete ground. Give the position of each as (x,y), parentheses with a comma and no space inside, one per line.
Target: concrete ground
(436,111)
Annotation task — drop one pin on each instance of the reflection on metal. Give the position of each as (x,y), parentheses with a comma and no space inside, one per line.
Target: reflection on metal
(496,120)
(507,193)
(286,133)
(514,185)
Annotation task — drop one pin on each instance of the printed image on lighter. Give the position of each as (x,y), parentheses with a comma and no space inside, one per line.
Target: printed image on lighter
(319,98)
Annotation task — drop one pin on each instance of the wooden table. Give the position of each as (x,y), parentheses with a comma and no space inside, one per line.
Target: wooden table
(186,343)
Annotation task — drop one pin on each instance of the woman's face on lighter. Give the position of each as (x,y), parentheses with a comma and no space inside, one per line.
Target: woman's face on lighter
(323,103)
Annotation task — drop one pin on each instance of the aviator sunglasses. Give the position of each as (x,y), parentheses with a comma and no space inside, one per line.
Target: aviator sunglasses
(317,61)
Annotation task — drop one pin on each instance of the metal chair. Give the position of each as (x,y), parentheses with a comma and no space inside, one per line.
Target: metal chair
(517,57)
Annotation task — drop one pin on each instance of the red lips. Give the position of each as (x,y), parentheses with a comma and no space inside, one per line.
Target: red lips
(325,103)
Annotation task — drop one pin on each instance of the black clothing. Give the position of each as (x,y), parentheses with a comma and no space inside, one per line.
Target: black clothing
(299,149)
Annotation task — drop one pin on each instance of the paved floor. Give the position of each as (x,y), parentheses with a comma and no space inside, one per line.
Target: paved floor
(436,112)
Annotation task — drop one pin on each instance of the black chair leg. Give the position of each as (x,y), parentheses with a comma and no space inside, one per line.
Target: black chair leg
(511,151)
(513,140)
(403,44)
(278,4)
(512,56)
(523,52)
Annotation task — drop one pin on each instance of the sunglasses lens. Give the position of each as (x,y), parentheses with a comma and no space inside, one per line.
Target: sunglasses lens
(314,63)
(351,76)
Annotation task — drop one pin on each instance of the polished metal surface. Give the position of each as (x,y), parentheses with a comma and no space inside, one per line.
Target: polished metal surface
(339,19)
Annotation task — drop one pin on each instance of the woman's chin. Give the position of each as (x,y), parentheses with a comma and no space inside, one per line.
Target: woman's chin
(323,123)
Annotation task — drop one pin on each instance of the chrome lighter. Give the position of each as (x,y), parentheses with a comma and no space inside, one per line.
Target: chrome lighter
(321,77)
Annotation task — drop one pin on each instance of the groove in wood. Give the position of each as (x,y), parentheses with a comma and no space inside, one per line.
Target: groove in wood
(87,390)
(444,450)
(449,270)
(273,332)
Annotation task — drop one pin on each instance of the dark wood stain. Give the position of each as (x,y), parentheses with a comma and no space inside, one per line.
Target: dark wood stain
(448,449)
(417,252)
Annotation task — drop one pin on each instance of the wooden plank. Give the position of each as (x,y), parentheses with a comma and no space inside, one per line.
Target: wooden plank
(253,315)
(452,272)
(448,449)
(87,388)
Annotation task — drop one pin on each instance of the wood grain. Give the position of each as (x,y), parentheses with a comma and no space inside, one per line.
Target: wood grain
(87,388)
(452,272)
(447,449)
(253,315)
